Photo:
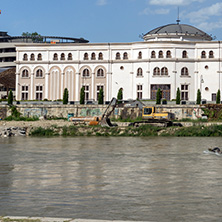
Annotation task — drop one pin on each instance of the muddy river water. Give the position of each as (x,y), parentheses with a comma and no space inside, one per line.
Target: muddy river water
(114,178)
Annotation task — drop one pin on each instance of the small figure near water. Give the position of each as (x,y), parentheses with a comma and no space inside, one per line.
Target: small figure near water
(215,150)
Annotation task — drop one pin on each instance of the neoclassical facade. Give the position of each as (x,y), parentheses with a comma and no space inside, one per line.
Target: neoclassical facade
(170,57)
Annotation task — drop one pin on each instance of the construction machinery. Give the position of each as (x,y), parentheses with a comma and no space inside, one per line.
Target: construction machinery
(98,120)
(152,117)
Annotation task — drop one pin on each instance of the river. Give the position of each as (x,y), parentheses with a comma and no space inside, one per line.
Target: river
(113,178)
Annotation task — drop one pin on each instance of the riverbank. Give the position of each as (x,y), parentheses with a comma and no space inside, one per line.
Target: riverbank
(49,219)
(65,128)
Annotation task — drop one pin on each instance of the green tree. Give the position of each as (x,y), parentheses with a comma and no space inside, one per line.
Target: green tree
(10,98)
(82,95)
(65,96)
(120,95)
(218,97)
(158,96)
(178,96)
(198,97)
(36,37)
(101,96)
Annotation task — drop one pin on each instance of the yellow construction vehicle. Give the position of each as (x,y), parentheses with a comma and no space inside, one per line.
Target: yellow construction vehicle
(149,112)
(151,117)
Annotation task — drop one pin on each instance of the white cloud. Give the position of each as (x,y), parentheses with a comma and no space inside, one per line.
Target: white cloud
(101,2)
(205,13)
(209,26)
(161,11)
(172,2)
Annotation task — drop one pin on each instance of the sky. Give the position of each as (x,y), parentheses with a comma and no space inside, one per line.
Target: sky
(107,20)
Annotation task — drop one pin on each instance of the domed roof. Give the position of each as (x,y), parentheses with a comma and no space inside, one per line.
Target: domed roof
(179,30)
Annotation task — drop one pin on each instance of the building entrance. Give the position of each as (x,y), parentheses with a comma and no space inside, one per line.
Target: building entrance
(165,89)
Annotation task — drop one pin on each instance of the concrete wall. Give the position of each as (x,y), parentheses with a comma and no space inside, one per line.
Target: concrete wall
(57,110)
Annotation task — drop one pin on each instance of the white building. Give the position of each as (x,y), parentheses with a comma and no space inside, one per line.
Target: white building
(170,56)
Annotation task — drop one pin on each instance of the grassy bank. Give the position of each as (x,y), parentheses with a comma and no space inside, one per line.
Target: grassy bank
(144,130)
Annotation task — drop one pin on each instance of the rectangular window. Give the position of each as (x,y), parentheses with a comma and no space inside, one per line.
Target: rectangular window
(86,88)
(39,93)
(25,93)
(214,96)
(98,87)
(139,91)
(184,92)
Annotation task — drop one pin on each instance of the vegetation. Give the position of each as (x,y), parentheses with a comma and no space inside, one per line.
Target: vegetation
(198,97)
(4,219)
(143,130)
(65,96)
(10,97)
(16,116)
(120,96)
(36,37)
(82,95)
(158,96)
(178,96)
(101,96)
(218,97)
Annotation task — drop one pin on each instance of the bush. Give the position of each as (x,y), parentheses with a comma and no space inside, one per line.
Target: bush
(120,96)
(198,97)
(178,96)
(82,95)
(218,97)
(158,96)
(65,96)
(10,98)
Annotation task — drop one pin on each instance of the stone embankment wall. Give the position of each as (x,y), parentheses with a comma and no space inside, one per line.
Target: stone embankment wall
(179,111)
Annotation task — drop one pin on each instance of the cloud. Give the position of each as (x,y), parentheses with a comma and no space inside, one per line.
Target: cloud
(172,2)
(209,26)
(205,13)
(101,2)
(161,11)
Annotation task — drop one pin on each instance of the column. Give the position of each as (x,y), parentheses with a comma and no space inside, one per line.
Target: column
(18,87)
(46,85)
(32,87)
(62,83)
(77,86)
(93,86)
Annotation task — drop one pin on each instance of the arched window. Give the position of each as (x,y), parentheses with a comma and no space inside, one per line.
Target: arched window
(39,57)
(203,54)
(100,56)
(211,54)
(160,54)
(184,71)
(184,54)
(164,71)
(85,73)
(100,73)
(62,56)
(25,73)
(86,56)
(125,55)
(156,71)
(93,56)
(168,54)
(39,73)
(55,56)
(139,72)
(117,55)
(140,55)
(153,54)
(32,57)
(25,57)
(70,56)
